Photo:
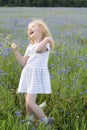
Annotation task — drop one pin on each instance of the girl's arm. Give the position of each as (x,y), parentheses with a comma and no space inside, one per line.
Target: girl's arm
(41,47)
(21,59)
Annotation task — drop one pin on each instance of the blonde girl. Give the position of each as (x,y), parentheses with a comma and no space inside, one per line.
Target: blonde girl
(35,77)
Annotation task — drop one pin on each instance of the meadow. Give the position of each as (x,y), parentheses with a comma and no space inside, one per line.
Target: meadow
(67,67)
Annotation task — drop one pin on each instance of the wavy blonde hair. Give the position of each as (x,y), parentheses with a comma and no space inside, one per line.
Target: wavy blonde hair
(44,29)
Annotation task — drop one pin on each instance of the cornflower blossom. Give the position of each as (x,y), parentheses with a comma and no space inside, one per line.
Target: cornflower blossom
(18,113)
(62,110)
(85,91)
(67,113)
(51,65)
(22,121)
(51,76)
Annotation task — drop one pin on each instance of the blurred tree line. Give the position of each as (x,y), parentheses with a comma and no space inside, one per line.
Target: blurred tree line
(44,3)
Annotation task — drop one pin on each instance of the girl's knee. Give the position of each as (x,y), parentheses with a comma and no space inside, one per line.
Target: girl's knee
(30,104)
(31,100)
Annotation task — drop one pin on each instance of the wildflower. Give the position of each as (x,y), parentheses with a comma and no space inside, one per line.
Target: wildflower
(81,93)
(0,45)
(4,55)
(51,65)
(59,72)
(18,113)
(81,58)
(77,117)
(78,65)
(22,121)
(62,97)
(1,83)
(85,91)
(67,113)
(74,80)
(61,110)
(37,124)
(0,71)
(66,71)
(5,74)
(60,64)
(33,128)
(51,76)
(69,100)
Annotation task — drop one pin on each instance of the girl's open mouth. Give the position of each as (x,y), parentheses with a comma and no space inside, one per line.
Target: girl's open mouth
(31,32)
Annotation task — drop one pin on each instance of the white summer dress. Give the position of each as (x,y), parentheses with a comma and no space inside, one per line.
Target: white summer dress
(35,76)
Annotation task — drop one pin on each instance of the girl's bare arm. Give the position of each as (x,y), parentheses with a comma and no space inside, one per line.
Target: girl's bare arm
(21,59)
(41,47)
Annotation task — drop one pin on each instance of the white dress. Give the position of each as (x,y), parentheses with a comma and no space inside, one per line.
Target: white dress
(35,76)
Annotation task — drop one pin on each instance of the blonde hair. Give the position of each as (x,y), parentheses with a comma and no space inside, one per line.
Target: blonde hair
(44,28)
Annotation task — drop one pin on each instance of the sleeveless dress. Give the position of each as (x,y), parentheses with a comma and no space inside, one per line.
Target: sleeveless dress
(35,76)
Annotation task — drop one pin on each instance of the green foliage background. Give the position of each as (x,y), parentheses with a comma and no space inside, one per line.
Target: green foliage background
(44,3)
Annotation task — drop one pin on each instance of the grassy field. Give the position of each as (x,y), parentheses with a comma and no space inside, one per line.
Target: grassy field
(67,66)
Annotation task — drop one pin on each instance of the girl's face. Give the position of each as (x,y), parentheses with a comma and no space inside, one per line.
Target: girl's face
(34,31)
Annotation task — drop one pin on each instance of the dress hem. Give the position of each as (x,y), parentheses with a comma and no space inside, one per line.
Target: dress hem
(34,92)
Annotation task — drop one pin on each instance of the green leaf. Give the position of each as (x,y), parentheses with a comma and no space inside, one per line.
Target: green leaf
(2,125)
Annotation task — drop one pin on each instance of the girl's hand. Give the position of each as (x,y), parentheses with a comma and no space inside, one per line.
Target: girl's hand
(14,47)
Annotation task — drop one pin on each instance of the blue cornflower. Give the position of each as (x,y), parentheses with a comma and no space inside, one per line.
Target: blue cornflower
(61,110)
(22,121)
(60,72)
(81,93)
(78,65)
(85,91)
(67,113)
(1,83)
(18,113)
(0,44)
(33,128)
(51,65)
(5,74)
(51,76)
(0,71)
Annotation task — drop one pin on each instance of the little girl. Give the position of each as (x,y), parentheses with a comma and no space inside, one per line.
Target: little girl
(35,77)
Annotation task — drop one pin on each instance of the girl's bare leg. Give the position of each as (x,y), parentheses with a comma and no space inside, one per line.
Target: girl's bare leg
(28,110)
(31,105)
